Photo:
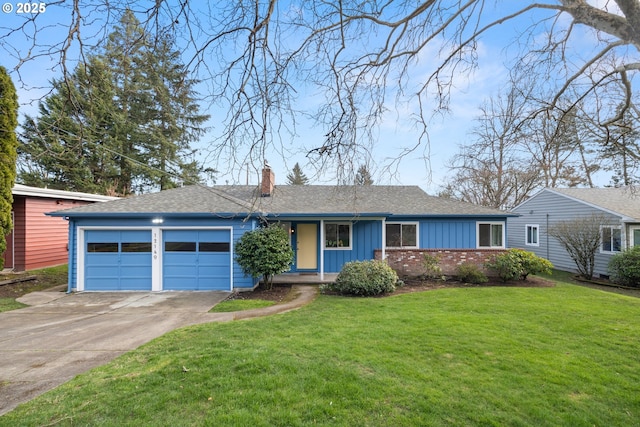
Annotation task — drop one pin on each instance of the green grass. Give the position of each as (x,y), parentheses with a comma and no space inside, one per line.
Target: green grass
(560,356)
(45,278)
(240,305)
(8,304)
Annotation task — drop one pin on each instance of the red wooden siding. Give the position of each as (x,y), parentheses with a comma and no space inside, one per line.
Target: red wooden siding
(40,240)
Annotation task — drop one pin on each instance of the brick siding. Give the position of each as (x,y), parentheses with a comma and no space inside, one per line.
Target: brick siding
(409,262)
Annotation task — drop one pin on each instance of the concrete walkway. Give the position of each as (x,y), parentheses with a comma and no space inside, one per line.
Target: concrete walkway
(62,335)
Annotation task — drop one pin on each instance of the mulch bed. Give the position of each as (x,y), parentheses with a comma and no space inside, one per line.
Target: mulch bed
(277,293)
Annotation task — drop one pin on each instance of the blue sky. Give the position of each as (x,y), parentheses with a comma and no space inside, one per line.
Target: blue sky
(425,166)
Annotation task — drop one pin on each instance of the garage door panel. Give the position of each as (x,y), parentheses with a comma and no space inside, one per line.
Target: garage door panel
(118,260)
(178,283)
(213,270)
(102,236)
(101,284)
(135,284)
(179,235)
(197,260)
(179,270)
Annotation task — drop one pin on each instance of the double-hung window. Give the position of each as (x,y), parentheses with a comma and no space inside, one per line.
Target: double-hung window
(532,234)
(401,234)
(337,235)
(611,239)
(490,234)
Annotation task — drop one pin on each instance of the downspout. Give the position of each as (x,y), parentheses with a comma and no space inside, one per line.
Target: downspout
(546,235)
(321,250)
(72,252)
(383,253)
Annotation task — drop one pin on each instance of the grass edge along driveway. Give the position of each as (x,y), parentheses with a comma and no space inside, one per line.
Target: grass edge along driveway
(566,355)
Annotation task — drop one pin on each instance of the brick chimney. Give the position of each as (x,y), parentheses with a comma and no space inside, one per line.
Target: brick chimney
(268,181)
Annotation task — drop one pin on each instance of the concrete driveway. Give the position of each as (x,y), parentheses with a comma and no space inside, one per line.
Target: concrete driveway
(63,335)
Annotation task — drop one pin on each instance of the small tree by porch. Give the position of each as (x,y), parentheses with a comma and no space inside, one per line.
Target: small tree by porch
(264,253)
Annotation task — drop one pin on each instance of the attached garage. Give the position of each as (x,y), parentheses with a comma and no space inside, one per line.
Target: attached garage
(156,259)
(117,260)
(197,260)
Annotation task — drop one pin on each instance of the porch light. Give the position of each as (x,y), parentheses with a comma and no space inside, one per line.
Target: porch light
(157,221)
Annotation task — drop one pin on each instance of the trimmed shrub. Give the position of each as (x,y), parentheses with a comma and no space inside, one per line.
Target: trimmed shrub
(624,268)
(432,269)
(365,278)
(469,272)
(264,252)
(517,264)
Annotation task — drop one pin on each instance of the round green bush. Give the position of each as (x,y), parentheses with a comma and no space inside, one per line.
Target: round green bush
(469,272)
(517,264)
(624,268)
(365,278)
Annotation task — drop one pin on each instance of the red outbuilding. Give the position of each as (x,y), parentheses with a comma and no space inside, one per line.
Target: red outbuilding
(37,240)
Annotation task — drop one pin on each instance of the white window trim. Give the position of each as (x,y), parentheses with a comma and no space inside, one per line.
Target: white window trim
(612,227)
(526,234)
(337,248)
(479,223)
(633,243)
(401,223)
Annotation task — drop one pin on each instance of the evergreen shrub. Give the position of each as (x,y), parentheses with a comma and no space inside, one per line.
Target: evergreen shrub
(624,268)
(469,272)
(365,278)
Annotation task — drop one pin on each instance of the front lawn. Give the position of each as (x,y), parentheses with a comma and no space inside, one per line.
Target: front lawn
(45,278)
(555,356)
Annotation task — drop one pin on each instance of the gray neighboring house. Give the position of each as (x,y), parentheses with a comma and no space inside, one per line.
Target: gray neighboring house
(621,206)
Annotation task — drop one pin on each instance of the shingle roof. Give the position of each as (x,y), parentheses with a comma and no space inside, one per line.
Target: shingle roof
(288,200)
(624,201)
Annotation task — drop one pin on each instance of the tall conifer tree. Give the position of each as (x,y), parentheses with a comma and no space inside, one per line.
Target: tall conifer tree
(297,177)
(8,146)
(121,123)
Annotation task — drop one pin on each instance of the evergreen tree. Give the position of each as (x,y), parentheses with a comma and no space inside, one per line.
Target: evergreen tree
(121,123)
(125,57)
(363,176)
(297,177)
(174,120)
(621,147)
(8,146)
(70,145)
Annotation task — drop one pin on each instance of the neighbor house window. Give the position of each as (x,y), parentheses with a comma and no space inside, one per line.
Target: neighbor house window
(337,235)
(401,235)
(611,239)
(532,235)
(491,235)
(635,236)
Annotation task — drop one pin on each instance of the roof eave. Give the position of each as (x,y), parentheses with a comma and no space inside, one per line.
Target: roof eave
(151,214)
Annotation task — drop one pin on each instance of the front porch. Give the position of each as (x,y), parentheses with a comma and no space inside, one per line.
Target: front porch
(304,278)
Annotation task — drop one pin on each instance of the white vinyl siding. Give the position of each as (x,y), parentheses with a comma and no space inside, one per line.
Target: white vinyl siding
(545,209)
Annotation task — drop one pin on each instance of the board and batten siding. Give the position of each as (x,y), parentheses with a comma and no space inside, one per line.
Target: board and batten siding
(366,236)
(544,209)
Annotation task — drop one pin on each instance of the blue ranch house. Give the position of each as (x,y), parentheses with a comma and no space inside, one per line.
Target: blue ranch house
(183,238)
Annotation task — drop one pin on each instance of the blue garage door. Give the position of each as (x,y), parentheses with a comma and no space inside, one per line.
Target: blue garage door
(196,260)
(117,260)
